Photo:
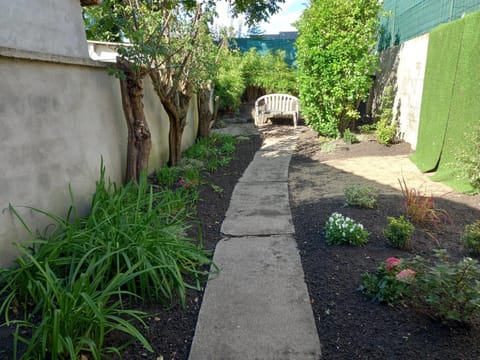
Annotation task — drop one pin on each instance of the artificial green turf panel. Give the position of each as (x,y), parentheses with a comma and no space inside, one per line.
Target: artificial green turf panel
(465,104)
(442,58)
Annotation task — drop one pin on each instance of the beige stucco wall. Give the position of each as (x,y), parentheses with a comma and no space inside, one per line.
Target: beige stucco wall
(404,68)
(57,121)
(60,113)
(47,26)
(410,76)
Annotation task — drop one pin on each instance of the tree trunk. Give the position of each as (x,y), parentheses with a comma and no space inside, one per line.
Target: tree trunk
(175,140)
(207,111)
(177,113)
(139,138)
(176,105)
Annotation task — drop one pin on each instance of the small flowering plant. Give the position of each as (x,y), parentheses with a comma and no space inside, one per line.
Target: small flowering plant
(340,229)
(185,183)
(407,275)
(390,283)
(391,263)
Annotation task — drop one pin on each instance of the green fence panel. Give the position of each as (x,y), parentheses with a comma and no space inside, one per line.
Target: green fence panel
(405,19)
(264,46)
(440,73)
(464,113)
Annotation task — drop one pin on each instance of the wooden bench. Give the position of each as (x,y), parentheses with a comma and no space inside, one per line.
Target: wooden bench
(273,105)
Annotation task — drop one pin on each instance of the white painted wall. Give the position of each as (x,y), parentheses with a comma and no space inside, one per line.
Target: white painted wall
(410,75)
(403,67)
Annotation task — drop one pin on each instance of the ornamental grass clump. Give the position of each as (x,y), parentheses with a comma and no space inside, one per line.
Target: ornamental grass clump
(421,209)
(344,230)
(399,232)
(70,317)
(73,284)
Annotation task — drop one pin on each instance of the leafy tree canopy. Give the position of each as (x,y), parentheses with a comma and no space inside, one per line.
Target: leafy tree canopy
(104,22)
(336,60)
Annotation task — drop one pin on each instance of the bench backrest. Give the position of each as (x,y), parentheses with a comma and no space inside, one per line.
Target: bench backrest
(278,102)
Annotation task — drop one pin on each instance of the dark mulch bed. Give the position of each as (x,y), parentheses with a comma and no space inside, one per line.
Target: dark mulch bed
(349,325)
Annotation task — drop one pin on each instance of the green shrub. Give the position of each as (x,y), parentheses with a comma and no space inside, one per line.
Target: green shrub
(343,230)
(335,61)
(471,238)
(447,290)
(167,176)
(367,129)
(386,126)
(276,76)
(468,158)
(399,232)
(385,132)
(214,151)
(443,290)
(361,196)
(349,137)
(385,284)
(238,72)
(229,81)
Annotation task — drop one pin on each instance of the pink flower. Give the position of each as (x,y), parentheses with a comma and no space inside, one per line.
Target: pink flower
(391,263)
(407,275)
(184,183)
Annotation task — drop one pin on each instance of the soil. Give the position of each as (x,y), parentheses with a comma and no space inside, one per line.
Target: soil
(349,325)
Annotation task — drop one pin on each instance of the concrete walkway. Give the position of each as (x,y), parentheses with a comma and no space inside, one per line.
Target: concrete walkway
(258,306)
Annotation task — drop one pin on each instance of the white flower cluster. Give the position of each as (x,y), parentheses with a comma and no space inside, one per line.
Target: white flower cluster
(342,229)
(343,222)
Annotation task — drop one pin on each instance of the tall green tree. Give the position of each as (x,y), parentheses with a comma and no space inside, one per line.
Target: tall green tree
(335,61)
(168,41)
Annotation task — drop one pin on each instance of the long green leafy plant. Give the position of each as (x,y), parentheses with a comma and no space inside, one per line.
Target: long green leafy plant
(70,286)
(146,228)
(72,315)
(336,61)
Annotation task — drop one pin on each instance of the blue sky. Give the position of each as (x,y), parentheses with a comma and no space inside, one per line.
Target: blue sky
(290,12)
